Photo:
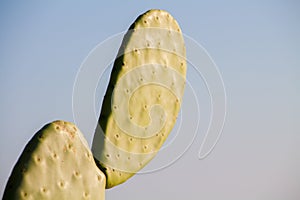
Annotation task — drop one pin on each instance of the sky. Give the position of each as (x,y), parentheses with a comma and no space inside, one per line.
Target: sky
(254,45)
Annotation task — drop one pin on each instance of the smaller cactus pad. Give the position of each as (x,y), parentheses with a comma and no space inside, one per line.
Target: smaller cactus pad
(56,164)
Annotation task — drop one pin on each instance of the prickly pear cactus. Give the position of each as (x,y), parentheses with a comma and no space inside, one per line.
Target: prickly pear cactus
(143,97)
(56,164)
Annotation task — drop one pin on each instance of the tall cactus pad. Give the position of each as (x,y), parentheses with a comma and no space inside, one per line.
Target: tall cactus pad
(56,164)
(143,97)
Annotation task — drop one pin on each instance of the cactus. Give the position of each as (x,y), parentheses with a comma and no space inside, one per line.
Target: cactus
(56,164)
(143,97)
(139,110)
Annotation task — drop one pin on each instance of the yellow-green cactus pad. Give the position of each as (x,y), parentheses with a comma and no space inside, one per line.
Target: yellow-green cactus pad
(56,164)
(143,97)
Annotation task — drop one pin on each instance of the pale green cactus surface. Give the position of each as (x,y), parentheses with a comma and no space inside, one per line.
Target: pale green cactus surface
(56,164)
(143,97)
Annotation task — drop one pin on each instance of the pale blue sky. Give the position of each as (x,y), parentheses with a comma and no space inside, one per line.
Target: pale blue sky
(256,46)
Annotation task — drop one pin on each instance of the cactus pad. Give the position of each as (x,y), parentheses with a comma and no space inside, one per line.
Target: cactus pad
(56,164)
(143,97)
